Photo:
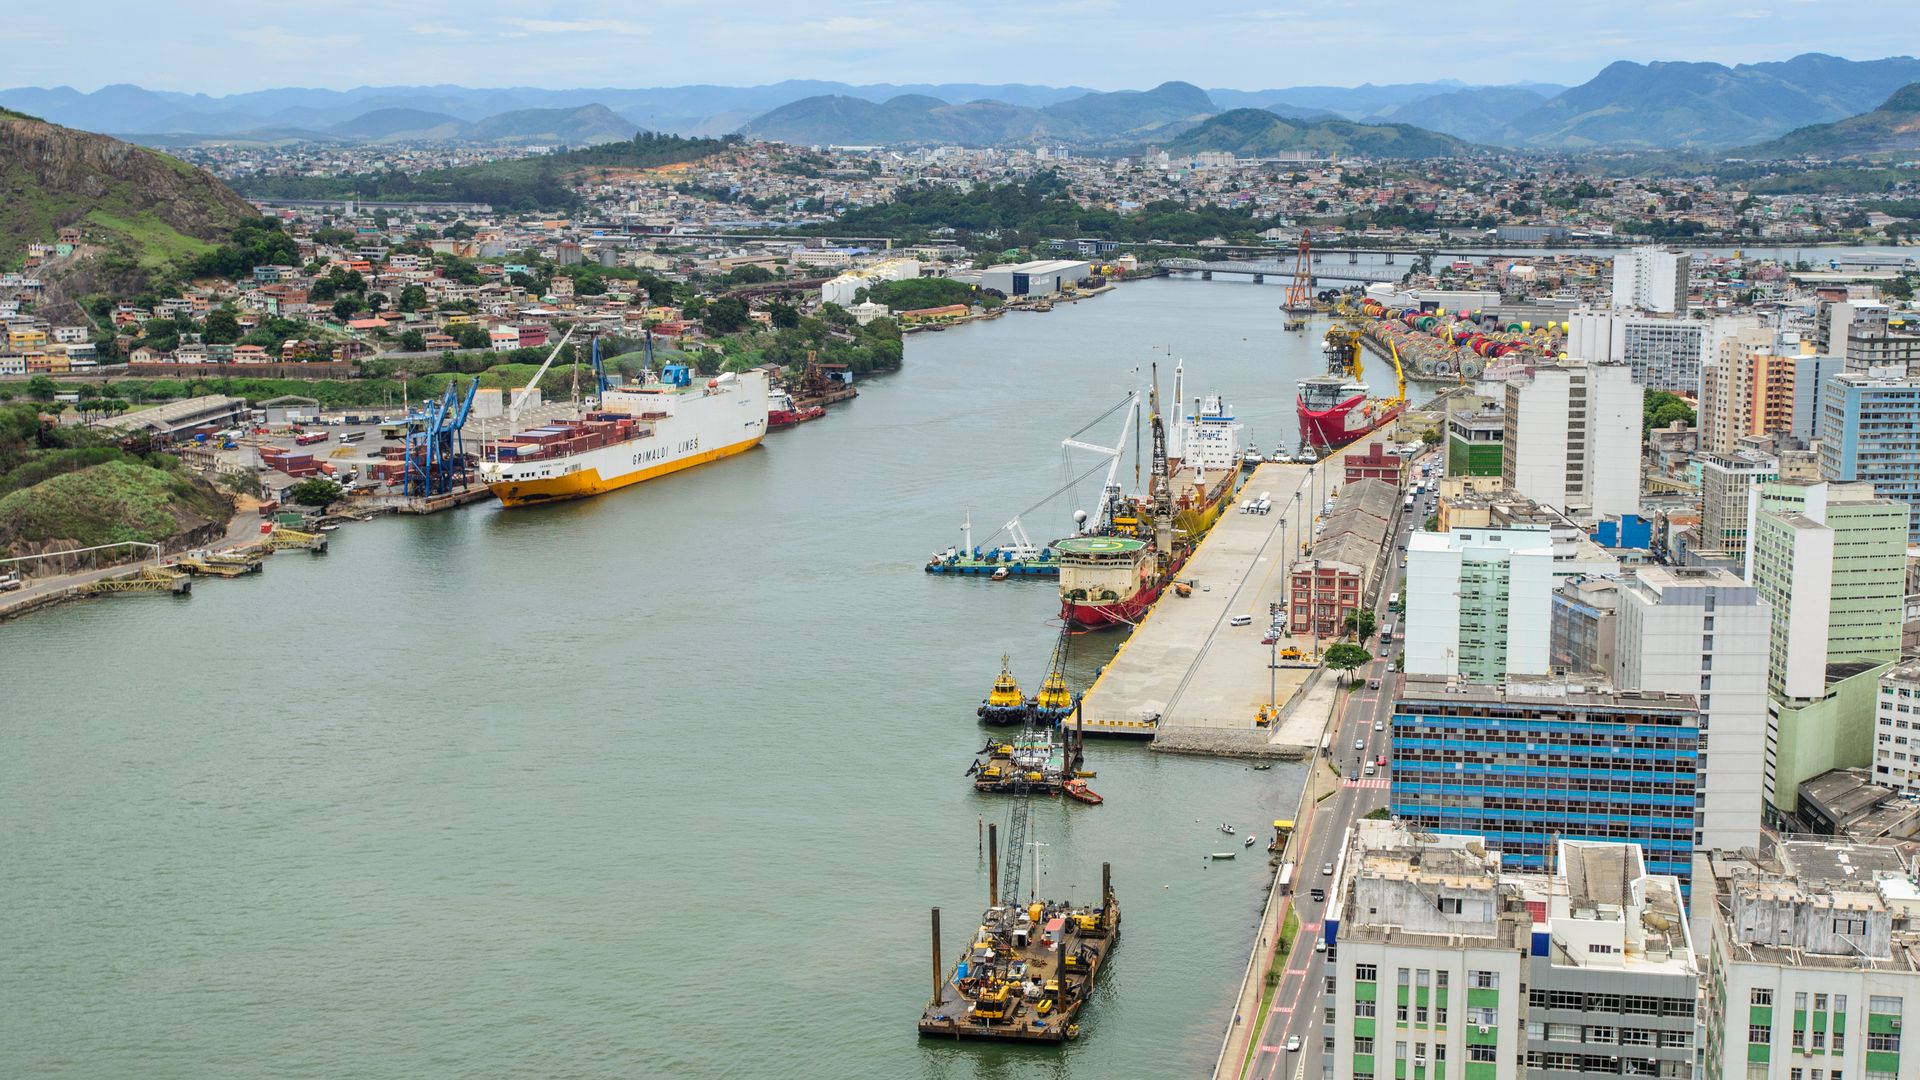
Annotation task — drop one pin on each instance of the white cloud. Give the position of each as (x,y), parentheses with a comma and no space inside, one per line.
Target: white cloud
(576,26)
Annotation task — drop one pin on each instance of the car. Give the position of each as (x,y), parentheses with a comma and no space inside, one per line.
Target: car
(1374,684)
(1293,1043)
(1319,944)
(1268,640)
(1379,725)
(1359,744)
(1381,761)
(1327,869)
(1319,895)
(1370,769)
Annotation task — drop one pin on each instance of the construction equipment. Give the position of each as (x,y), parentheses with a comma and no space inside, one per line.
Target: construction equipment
(1300,287)
(282,538)
(436,454)
(1161,483)
(149,580)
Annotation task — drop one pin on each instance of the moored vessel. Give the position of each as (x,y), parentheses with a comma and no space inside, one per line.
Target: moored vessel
(1339,408)
(637,433)
(782,412)
(1005,704)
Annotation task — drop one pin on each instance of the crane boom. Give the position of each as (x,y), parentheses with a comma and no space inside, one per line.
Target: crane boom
(513,414)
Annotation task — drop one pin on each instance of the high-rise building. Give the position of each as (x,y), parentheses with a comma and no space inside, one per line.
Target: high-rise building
(1810,375)
(1585,625)
(1665,352)
(1875,339)
(1870,431)
(1726,488)
(1532,761)
(1830,560)
(1479,602)
(1473,441)
(1652,279)
(1814,963)
(1444,966)
(1704,631)
(1573,438)
(1896,729)
(1747,389)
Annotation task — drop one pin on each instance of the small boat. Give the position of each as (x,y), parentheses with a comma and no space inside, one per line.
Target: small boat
(1223,855)
(1249,842)
(1078,789)
(1225,828)
(1262,768)
(328,528)
(1001,574)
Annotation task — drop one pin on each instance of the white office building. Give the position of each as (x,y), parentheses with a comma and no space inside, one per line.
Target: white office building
(1896,729)
(1666,352)
(1814,963)
(1651,279)
(1573,438)
(1703,631)
(1479,602)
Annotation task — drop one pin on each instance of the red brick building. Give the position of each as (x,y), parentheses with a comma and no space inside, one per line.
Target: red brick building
(1375,464)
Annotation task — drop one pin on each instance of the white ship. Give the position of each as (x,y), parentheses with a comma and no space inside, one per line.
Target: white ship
(636,434)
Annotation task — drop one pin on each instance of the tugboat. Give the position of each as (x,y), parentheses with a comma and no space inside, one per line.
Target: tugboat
(1055,701)
(1005,704)
(782,412)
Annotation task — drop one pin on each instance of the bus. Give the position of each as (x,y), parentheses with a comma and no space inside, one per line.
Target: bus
(1326,745)
(1393,602)
(1286,880)
(1386,634)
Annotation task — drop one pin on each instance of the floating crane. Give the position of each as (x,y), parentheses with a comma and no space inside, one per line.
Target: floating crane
(1300,287)
(1162,484)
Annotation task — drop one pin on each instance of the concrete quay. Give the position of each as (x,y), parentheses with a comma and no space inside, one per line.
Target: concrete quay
(1191,679)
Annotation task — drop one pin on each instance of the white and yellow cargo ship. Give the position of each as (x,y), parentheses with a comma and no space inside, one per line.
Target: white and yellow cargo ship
(637,433)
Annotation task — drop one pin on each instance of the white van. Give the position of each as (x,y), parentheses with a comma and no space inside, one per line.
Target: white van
(1240,620)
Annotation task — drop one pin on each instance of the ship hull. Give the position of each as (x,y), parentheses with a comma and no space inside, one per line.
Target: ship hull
(588,481)
(1331,429)
(1087,615)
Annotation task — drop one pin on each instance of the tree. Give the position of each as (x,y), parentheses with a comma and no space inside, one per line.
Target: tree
(42,389)
(413,298)
(726,315)
(412,341)
(222,327)
(316,491)
(785,316)
(1344,657)
(1660,409)
(471,336)
(1361,624)
(1430,437)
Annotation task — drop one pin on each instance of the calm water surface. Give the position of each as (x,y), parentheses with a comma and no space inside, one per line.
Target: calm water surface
(657,784)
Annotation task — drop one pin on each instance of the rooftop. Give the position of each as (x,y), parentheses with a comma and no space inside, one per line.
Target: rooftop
(1589,692)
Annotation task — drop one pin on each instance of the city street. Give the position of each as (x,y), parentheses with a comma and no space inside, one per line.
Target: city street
(1362,734)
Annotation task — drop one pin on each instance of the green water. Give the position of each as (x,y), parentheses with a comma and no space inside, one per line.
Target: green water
(657,784)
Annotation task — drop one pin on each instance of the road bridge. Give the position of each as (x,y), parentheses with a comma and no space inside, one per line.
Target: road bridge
(1261,269)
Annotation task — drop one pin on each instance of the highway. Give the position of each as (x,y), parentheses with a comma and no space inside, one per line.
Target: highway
(1362,732)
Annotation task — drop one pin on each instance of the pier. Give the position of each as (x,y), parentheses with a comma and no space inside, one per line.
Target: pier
(1190,679)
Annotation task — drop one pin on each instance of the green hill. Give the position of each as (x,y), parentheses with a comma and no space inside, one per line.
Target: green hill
(154,208)
(1893,128)
(1258,133)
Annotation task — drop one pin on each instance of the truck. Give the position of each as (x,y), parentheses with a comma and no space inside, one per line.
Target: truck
(10,580)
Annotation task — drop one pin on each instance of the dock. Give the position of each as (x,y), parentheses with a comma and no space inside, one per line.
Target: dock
(1190,679)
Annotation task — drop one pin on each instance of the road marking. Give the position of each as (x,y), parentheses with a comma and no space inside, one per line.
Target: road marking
(1269,1049)
(1375,782)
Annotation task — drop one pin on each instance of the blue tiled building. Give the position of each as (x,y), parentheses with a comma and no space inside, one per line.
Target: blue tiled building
(1528,763)
(1870,430)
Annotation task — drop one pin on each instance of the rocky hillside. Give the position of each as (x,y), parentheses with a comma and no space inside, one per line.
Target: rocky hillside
(154,207)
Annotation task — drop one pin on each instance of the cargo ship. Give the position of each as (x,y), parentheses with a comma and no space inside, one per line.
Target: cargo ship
(1111,574)
(637,433)
(1338,408)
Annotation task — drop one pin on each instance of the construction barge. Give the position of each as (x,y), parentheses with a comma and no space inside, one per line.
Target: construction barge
(1027,972)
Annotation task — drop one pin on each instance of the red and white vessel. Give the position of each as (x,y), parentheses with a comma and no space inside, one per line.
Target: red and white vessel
(1338,408)
(782,412)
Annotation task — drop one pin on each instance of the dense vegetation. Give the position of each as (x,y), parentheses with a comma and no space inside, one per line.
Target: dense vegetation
(76,486)
(1014,215)
(929,292)
(1661,408)
(531,183)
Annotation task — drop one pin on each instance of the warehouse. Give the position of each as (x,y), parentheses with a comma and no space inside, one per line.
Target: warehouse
(1042,278)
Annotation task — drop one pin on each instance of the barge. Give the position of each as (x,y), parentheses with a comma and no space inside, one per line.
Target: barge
(1028,970)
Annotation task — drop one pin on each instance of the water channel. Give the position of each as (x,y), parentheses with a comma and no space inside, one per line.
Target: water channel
(657,784)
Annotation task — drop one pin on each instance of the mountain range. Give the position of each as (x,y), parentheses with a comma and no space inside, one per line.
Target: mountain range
(1627,105)
(1261,133)
(1893,128)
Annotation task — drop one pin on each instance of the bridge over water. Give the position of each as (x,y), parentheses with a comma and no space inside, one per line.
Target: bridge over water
(1325,270)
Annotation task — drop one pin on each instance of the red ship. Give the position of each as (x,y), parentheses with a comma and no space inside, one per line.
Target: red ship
(782,412)
(1335,409)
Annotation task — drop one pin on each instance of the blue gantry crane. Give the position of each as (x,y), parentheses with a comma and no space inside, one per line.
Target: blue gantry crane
(436,453)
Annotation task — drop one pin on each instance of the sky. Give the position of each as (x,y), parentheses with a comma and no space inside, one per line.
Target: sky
(224,46)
